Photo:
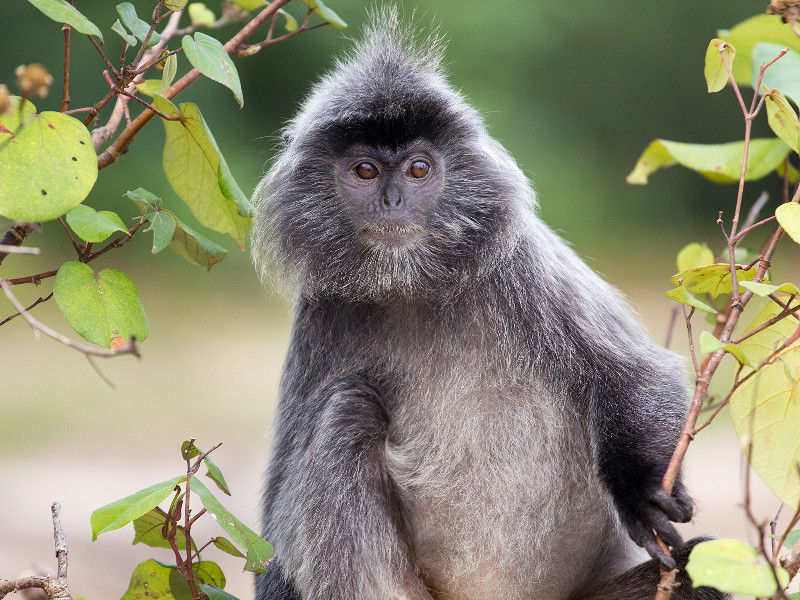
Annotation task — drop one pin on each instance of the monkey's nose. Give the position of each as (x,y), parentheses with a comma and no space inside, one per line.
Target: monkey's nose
(392,199)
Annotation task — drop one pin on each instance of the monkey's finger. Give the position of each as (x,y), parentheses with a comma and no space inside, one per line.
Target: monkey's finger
(654,549)
(665,530)
(677,507)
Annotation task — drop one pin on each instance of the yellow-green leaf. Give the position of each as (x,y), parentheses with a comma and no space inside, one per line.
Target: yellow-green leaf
(783,74)
(708,344)
(733,567)
(201,15)
(782,119)
(765,409)
(758,29)
(711,279)
(788,216)
(326,13)
(102,307)
(63,12)
(694,255)
(199,175)
(48,167)
(94,225)
(680,294)
(121,512)
(715,71)
(721,163)
(209,57)
(764,289)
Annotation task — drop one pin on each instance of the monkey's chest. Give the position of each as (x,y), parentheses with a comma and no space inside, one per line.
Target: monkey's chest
(503,474)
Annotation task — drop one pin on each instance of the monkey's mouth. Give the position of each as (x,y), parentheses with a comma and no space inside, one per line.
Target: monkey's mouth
(391,233)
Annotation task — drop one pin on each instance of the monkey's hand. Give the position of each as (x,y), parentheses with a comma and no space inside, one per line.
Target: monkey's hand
(649,514)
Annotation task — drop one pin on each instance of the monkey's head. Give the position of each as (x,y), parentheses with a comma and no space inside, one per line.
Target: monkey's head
(388,186)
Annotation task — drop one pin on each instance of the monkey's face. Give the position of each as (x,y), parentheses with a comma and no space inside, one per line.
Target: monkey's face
(389,193)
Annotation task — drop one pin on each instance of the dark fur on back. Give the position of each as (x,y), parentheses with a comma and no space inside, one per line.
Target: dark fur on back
(474,415)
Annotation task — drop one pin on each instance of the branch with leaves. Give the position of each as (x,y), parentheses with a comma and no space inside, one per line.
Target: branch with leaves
(104,307)
(767,352)
(171,528)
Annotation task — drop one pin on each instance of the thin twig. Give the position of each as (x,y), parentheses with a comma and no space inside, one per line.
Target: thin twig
(18,250)
(60,542)
(113,152)
(755,210)
(27,308)
(128,348)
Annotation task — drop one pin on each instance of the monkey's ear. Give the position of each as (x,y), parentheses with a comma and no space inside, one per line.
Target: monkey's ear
(287,138)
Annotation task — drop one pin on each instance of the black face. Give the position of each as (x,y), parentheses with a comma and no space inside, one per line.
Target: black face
(389,193)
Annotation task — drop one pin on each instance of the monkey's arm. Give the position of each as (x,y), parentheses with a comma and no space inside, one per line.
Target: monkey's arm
(333,518)
(637,414)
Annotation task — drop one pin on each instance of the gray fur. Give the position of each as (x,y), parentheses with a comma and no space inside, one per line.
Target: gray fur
(449,408)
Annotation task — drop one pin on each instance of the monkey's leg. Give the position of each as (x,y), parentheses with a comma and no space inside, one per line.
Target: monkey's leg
(335,522)
(640,582)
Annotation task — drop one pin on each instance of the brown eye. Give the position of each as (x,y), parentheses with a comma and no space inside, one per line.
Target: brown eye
(419,169)
(366,171)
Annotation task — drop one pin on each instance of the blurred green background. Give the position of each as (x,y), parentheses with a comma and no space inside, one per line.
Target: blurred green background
(575,90)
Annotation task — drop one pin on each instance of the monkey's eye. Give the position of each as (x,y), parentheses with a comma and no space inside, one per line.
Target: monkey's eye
(418,169)
(366,170)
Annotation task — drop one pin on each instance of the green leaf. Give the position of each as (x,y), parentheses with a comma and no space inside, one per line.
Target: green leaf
(135,25)
(175,5)
(745,35)
(715,71)
(694,255)
(199,174)
(201,15)
(92,225)
(210,573)
(149,531)
(170,69)
(733,567)
(788,216)
(187,454)
(226,546)
(151,87)
(711,279)
(764,290)
(721,163)
(782,119)
(162,221)
(258,550)
(120,513)
(791,538)
(765,409)
(195,248)
(123,33)
(783,75)
(62,12)
(204,572)
(103,308)
(150,579)
(709,344)
(216,593)
(209,57)
(250,4)
(680,294)
(214,473)
(48,168)
(291,24)
(326,13)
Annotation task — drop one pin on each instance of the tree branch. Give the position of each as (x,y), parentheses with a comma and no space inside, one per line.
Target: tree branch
(128,348)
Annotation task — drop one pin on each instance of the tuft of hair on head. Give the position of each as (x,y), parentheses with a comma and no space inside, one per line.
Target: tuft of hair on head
(387,35)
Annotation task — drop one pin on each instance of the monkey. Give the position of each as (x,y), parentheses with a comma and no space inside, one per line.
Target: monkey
(466,410)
